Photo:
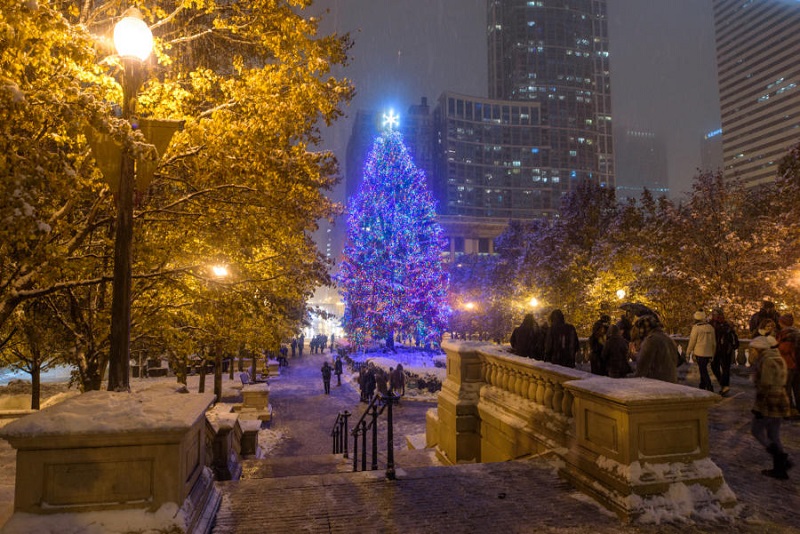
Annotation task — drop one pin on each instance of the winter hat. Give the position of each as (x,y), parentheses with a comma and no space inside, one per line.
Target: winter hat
(763,342)
(786,320)
(699,315)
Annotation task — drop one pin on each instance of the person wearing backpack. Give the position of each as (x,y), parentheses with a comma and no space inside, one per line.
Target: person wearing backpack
(703,346)
(727,344)
(788,346)
(772,403)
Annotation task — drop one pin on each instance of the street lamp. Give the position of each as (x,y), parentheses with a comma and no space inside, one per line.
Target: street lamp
(220,272)
(621,294)
(134,42)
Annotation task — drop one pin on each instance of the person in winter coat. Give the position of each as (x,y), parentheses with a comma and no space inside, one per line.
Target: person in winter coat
(767,311)
(772,403)
(615,353)
(562,344)
(702,345)
(658,356)
(727,343)
(397,381)
(596,342)
(337,369)
(788,340)
(369,383)
(525,337)
(326,377)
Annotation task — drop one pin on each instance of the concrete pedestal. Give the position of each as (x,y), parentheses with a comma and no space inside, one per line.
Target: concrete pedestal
(104,451)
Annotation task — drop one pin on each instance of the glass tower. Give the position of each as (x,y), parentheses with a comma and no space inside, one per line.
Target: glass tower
(758,46)
(555,53)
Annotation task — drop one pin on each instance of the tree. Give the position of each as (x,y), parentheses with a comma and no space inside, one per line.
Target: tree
(392,276)
(242,184)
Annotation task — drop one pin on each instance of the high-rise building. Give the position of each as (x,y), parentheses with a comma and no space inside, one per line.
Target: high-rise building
(642,163)
(555,53)
(711,151)
(758,46)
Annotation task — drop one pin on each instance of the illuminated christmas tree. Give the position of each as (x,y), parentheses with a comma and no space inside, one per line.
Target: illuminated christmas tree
(392,278)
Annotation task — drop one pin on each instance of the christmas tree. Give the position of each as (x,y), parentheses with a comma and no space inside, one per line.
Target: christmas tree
(392,278)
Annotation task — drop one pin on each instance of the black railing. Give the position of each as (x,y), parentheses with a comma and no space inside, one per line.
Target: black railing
(368,424)
(339,433)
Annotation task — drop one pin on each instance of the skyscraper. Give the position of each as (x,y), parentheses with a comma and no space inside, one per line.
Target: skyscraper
(758,45)
(555,53)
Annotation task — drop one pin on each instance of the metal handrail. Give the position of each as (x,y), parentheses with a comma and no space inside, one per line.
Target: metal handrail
(361,427)
(339,433)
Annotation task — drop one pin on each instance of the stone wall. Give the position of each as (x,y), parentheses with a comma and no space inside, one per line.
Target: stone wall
(625,442)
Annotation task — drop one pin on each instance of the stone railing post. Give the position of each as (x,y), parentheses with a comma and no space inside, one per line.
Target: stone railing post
(454,426)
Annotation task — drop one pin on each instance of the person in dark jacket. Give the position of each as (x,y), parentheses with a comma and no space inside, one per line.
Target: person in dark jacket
(337,369)
(596,342)
(562,344)
(767,311)
(658,356)
(615,353)
(727,343)
(326,377)
(525,337)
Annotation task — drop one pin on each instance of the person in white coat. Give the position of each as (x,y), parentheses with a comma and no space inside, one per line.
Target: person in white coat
(702,345)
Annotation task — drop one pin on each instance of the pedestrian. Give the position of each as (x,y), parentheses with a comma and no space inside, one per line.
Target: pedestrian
(362,382)
(369,383)
(313,345)
(294,346)
(767,311)
(326,377)
(703,346)
(337,368)
(397,381)
(727,342)
(625,326)
(283,359)
(333,339)
(788,344)
(300,342)
(525,337)
(562,344)
(596,342)
(658,355)
(615,353)
(771,404)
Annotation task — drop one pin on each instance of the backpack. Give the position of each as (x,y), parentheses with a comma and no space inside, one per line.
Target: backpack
(727,340)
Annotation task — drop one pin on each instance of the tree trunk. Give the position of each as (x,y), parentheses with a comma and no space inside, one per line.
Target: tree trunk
(218,375)
(36,385)
(202,388)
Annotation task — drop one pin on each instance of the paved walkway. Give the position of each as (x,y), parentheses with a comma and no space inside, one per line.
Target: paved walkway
(509,497)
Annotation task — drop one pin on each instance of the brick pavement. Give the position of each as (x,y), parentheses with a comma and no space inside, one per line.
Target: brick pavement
(510,497)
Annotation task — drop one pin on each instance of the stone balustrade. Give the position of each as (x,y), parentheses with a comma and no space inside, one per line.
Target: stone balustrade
(622,441)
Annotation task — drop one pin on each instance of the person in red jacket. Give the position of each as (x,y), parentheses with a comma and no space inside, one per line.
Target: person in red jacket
(788,345)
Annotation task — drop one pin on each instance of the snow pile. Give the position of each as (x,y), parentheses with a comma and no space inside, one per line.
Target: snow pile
(268,440)
(682,504)
(166,519)
(423,367)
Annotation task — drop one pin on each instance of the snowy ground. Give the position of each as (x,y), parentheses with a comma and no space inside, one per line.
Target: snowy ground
(763,502)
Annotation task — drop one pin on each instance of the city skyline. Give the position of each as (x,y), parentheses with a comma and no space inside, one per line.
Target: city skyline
(663,67)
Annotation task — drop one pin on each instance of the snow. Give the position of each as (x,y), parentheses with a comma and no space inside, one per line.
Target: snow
(108,412)
(630,390)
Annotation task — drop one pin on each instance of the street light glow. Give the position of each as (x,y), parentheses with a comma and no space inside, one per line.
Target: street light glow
(534,302)
(621,294)
(132,36)
(220,271)
(469,305)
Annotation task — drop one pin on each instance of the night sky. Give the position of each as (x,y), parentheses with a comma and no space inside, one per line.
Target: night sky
(663,66)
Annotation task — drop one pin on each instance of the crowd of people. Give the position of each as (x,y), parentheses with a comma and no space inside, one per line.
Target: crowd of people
(637,345)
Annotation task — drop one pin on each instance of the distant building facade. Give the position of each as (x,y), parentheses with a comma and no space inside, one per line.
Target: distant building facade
(758,46)
(711,159)
(555,53)
(642,163)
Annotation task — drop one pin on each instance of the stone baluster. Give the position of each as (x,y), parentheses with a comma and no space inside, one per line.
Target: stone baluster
(540,389)
(532,386)
(558,396)
(548,394)
(566,403)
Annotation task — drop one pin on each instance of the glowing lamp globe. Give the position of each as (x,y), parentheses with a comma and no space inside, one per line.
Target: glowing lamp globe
(620,294)
(220,271)
(534,302)
(132,36)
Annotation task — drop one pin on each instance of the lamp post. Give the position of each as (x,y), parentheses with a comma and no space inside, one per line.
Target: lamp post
(220,272)
(134,42)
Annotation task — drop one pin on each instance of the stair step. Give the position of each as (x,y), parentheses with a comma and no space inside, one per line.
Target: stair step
(289,466)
